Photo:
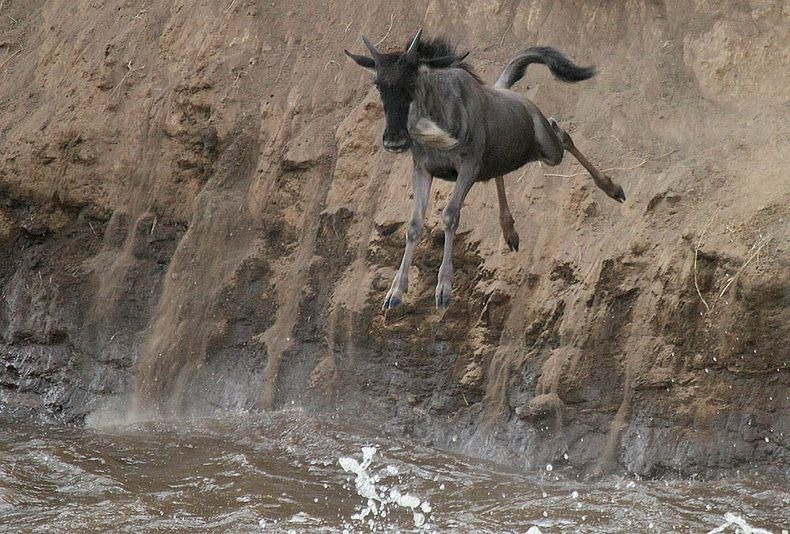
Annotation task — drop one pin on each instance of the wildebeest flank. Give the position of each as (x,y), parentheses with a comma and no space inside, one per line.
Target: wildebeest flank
(459,129)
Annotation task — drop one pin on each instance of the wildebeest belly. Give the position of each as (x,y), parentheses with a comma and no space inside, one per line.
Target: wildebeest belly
(509,141)
(510,138)
(445,173)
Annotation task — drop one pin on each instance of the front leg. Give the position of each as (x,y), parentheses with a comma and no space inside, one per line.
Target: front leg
(467,174)
(421,189)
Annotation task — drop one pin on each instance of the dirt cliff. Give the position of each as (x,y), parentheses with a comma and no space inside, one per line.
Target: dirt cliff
(196,214)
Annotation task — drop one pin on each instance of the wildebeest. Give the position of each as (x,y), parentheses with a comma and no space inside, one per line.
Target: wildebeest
(461,130)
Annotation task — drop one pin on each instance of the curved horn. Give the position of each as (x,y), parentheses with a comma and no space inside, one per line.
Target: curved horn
(373,52)
(412,50)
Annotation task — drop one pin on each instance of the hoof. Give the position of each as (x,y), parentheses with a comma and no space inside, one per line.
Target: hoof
(509,233)
(443,296)
(512,242)
(618,194)
(391,302)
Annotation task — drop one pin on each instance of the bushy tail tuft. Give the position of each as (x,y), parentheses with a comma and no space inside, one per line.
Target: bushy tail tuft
(561,67)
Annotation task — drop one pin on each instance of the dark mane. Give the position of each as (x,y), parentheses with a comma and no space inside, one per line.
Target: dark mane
(435,48)
(440,47)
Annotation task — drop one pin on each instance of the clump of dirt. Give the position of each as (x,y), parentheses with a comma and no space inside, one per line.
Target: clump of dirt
(196,215)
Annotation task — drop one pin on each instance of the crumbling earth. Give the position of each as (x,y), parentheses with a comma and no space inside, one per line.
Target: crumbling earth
(196,215)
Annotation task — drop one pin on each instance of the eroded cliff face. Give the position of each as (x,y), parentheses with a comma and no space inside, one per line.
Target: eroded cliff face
(196,214)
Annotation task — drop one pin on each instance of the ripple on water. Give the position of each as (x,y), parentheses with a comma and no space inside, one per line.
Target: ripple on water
(290,471)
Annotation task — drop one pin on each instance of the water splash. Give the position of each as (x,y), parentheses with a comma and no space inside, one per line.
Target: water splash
(739,525)
(379,499)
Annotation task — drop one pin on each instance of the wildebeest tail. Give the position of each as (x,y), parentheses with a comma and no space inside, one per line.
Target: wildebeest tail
(561,67)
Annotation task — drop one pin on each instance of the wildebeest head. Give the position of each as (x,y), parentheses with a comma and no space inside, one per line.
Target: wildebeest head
(396,76)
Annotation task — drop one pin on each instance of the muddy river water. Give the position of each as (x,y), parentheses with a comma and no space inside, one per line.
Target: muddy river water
(292,472)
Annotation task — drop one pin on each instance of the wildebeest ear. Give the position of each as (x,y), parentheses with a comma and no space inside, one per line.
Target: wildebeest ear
(362,61)
(445,61)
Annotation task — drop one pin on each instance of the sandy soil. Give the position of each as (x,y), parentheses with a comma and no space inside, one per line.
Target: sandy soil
(196,215)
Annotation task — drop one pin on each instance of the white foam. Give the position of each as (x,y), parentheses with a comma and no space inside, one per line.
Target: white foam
(739,524)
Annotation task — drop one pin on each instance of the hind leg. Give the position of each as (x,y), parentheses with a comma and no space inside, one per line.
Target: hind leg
(505,217)
(601,180)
